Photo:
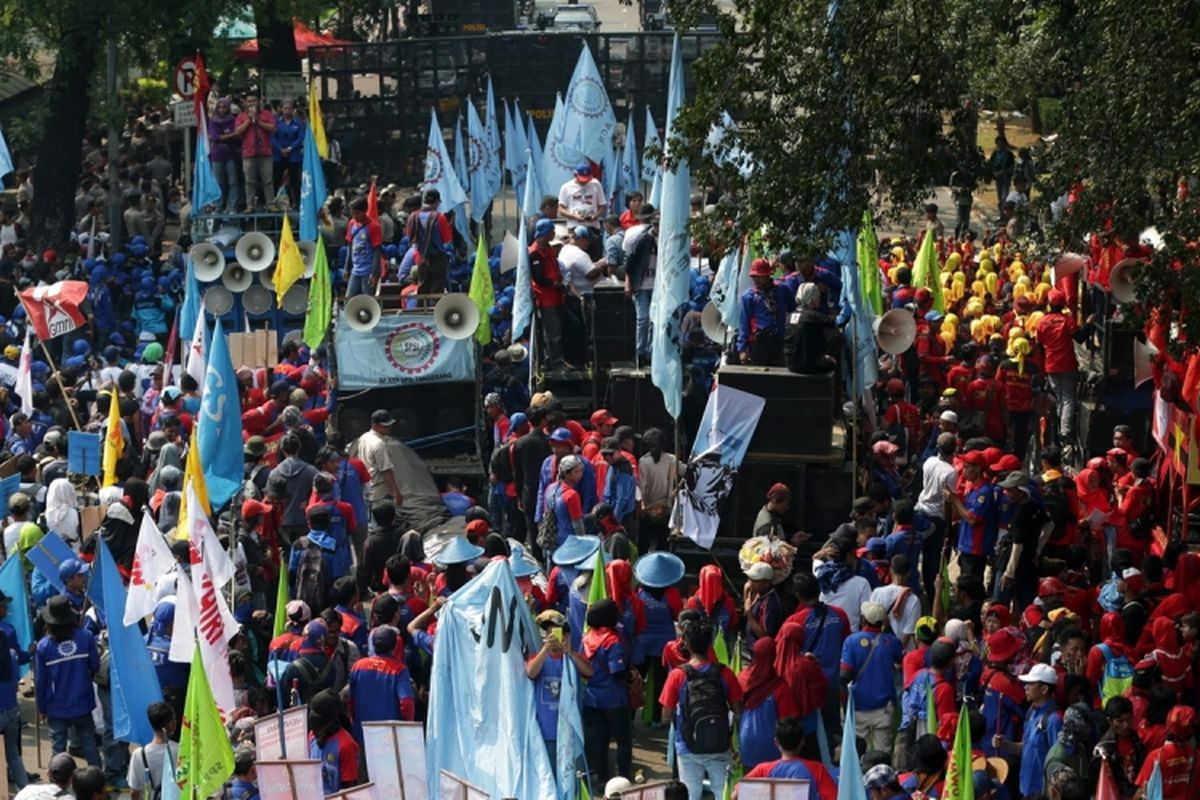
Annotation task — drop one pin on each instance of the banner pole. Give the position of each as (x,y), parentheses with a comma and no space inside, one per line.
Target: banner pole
(57,377)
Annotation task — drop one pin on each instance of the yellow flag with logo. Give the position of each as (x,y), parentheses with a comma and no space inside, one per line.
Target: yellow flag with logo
(205,755)
(290,267)
(316,123)
(193,480)
(114,441)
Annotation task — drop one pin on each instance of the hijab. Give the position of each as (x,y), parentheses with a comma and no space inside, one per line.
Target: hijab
(711,590)
(171,455)
(602,619)
(759,680)
(1172,662)
(62,510)
(1076,730)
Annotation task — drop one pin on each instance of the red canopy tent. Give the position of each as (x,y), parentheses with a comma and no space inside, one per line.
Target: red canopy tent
(305,38)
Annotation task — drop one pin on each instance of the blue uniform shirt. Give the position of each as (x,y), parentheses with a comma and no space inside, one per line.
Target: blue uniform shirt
(1042,724)
(873,672)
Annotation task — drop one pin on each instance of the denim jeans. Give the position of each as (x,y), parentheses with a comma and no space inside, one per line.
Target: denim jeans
(227,179)
(83,727)
(1065,385)
(641,308)
(359,284)
(693,768)
(10,727)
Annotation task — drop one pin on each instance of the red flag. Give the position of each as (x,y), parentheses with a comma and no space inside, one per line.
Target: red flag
(202,87)
(372,205)
(1190,393)
(54,310)
(169,359)
(1106,787)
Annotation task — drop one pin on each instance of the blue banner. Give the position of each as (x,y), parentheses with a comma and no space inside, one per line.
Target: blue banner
(590,121)
(402,349)
(205,189)
(728,424)
(219,427)
(10,486)
(483,165)
(13,584)
(83,452)
(438,172)
(312,189)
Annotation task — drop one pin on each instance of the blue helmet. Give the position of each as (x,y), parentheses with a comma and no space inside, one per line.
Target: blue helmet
(118,259)
(137,240)
(81,347)
(147,284)
(391,251)
(73,362)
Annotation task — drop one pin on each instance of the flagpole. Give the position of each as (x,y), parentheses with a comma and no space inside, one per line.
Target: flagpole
(58,377)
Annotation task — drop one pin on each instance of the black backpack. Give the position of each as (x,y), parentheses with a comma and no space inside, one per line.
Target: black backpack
(501,463)
(705,712)
(312,576)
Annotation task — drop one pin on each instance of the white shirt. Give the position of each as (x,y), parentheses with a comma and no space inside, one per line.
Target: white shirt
(910,611)
(583,200)
(936,476)
(373,450)
(849,597)
(575,264)
(43,791)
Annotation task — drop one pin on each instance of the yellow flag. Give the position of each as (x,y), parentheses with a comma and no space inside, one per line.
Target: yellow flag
(315,122)
(193,478)
(290,267)
(205,755)
(114,441)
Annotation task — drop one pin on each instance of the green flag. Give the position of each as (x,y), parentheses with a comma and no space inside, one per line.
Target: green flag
(281,599)
(481,293)
(205,755)
(720,646)
(868,265)
(927,272)
(320,299)
(599,589)
(960,775)
(931,717)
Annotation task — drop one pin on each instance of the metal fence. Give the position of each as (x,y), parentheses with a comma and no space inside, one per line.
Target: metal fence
(376,97)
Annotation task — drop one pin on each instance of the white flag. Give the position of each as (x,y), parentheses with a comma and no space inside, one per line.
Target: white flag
(203,537)
(152,563)
(196,362)
(183,640)
(25,373)
(202,616)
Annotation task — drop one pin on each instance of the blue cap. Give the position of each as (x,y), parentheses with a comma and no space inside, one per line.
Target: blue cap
(116,339)
(391,251)
(543,228)
(658,570)
(81,347)
(118,259)
(112,353)
(522,565)
(560,435)
(933,316)
(73,362)
(138,240)
(876,544)
(517,420)
(71,567)
(583,168)
(459,551)
(576,550)
(171,393)
(582,232)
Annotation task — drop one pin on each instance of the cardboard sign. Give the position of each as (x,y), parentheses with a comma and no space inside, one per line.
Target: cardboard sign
(83,452)
(254,349)
(90,519)
(455,788)
(267,746)
(395,756)
(772,789)
(289,780)
(647,791)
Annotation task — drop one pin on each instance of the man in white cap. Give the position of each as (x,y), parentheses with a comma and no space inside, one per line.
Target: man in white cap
(764,610)
(869,662)
(1043,721)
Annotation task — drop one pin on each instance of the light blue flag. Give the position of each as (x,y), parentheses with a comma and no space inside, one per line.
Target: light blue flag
(189,310)
(205,189)
(523,296)
(730,418)
(862,343)
(651,165)
(727,154)
(438,172)
(534,171)
(491,124)
(724,293)
(630,179)
(219,430)
(850,783)
(312,188)
(482,724)
(47,554)
(1154,786)
(170,789)
(134,682)
(461,222)
(561,157)
(12,583)
(516,159)
(608,176)
(570,731)
(672,281)
(6,165)
(483,165)
(590,120)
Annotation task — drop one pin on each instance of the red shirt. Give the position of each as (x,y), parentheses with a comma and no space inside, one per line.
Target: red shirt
(908,416)
(543,261)
(1017,388)
(821,781)
(256,141)
(1180,770)
(913,663)
(1055,333)
(343,508)
(670,691)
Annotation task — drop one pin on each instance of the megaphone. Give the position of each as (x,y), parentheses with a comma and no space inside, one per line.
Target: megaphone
(711,324)
(455,316)
(896,331)
(362,312)
(1122,279)
(207,260)
(1067,264)
(308,253)
(255,251)
(1143,361)
(236,278)
(218,301)
(266,278)
(295,300)
(257,300)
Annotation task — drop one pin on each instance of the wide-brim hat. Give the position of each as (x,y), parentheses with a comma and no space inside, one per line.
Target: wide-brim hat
(1003,646)
(658,570)
(59,611)
(575,549)
(459,551)
(522,565)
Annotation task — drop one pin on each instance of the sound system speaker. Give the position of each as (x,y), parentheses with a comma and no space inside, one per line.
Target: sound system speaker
(1119,363)
(635,400)
(614,326)
(798,417)
(420,410)
(821,497)
(1098,417)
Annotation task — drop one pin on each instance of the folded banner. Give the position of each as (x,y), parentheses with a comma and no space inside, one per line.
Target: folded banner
(54,310)
(728,425)
(401,349)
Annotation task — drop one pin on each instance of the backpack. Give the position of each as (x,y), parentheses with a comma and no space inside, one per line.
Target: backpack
(914,704)
(313,680)
(250,490)
(547,533)
(151,791)
(501,463)
(705,712)
(312,576)
(1118,674)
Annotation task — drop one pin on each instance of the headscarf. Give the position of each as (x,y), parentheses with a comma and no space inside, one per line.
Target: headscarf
(1076,730)
(164,616)
(1019,348)
(602,618)
(412,547)
(711,590)
(171,455)
(831,575)
(314,639)
(1092,496)
(620,582)
(62,509)
(1112,632)
(759,680)
(808,296)
(1172,662)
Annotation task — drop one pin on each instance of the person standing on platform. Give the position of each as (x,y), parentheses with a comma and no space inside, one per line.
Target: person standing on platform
(641,262)
(365,239)
(254,126)
(764,308)
(432,242)
(548,293)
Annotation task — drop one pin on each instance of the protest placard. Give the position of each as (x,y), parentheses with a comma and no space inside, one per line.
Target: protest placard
(289,780)
(772,789)
(366,791)
(295,728)
(455,788)
(83,452)
(395,755)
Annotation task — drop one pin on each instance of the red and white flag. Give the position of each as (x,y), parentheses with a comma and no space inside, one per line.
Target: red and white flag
(195,360)
(152,562)
(201,606)
(54,310)
(25,374)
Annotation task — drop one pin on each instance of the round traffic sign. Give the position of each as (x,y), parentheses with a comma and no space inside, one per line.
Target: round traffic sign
(185,78)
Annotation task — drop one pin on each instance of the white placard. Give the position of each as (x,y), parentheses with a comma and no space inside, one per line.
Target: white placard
(289,780)
(266,735)
(395,756)
(772,789)
(183,114)
(455,788)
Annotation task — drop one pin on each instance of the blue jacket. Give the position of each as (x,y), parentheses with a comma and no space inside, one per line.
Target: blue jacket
(63,675)
(586,486)
(381,690)
(755,316)
(620,489)
(288,134)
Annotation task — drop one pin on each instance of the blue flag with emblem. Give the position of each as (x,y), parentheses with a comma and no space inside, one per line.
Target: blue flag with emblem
(205,189)
(672,281)
(132,678)
(491,124)
(724,293)
(438,172)
(629,179)
(483,165)
(219,428)
(6,163)
(189,311)
(522,309)
(461,223)
(533,173)
(312,188)
(560,157)
(651,163)
(482,721)
(590,121)
(13,585)
(516,159)
(862,341)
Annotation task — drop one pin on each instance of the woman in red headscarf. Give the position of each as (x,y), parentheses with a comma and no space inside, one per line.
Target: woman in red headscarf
(766,700)
(1173,663)
(1111,647)
(713,602)
(1176,758)
(1094,506)
(629,605)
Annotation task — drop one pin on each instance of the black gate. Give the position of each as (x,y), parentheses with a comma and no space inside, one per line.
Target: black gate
(376,97)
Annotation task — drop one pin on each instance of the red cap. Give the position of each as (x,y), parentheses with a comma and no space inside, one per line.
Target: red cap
(975,457)
(1057,298)
(778,489)
(477,528)
(993,454)
(1049,586)
(894,387)
(50,256)
(1117,454)
(923,296)
(601,417)
(1002,646)
(253,508)
(1007,463)
(760,268)
(1181,722)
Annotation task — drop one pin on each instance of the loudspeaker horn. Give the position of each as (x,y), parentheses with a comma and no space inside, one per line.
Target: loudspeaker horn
(510,253)
(1122,279)
(208,261)
(295,300)
(362,312)
(455,316)
(1067,264)
(218,300)
(266,278)
(896,331)
(255,251)
(237,278)
(257,300)
(711,324)
(308,253)
(1143,361)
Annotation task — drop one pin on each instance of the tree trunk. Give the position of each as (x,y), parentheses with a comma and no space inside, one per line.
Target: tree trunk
(60,156)
(276,38)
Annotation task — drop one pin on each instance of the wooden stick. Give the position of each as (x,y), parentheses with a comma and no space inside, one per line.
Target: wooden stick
(55,374)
